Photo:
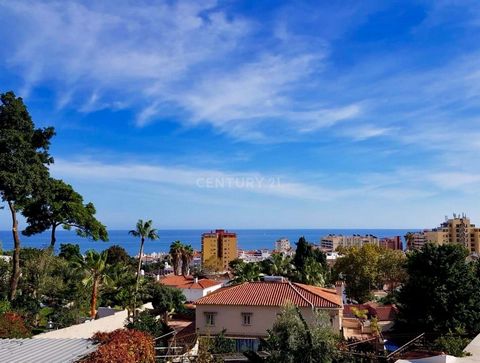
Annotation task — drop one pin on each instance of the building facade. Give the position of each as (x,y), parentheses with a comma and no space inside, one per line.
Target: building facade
(392,243)
(456,230)
(282,245)
(192,287)
(219,245)
(248,310)
(332,241)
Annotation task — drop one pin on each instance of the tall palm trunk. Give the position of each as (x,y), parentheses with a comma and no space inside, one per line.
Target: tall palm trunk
(140,255)
(16,253)
(93,299)
(53,238)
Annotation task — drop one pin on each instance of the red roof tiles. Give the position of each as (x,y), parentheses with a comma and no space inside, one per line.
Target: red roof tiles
(273,294)
(187,282)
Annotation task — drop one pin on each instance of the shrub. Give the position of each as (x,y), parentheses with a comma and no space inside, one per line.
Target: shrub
(122,346)
(148,323)
(13,326)
(452,344)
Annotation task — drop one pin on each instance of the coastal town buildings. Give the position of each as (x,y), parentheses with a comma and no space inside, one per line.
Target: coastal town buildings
(456,230)
(282,245)
(219,245)
(192,287)
(332,241)
(392,243)
(417,240)
(254,255)
(246,311)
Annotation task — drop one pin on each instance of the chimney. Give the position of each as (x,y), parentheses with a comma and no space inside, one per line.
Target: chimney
(195,280)
(339,285)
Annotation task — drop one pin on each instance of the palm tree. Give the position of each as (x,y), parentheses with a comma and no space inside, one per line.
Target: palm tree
(409,239)
(95,268)
(176,249)
(144,230)
(187,257)
(247,272)
(280,265)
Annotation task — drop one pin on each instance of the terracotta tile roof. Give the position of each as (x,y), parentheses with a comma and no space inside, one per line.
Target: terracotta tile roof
(187,282)
(272,294)
(382,312)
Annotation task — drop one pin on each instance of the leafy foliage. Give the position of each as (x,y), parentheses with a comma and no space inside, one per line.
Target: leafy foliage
(59,205)
(122,346)
(452,343)
(144,230)
(176,249)
(12,326)
(117,255)
(70,252)
(166,299)
(246,271)
(442,293)
(95,269)
(149,323)
(367,268)
(292,337)
(310,264)
(24,161)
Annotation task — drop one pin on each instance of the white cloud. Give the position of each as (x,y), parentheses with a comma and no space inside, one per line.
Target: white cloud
(185,58)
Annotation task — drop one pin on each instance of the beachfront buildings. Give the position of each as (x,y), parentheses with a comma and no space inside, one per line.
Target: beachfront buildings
(219,245)
(254,255)
(416,240)
(332,241)
(282,245)
(246,311)
(392,243)
(456,230)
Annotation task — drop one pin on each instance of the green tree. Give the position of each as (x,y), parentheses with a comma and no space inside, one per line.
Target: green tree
(367,268)
(144,230)
(187,257)
(95,269)
(310,264)
(278,265)
(24,161)
(246,272)
(176,249)
(59,205)
(166,300)
(291,337)
(441,293)
(149,323)
(70,251)
(117,255)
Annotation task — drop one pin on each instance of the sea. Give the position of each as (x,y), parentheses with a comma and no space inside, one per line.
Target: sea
(248,239)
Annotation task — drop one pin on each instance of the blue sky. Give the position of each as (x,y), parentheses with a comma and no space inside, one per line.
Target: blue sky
(252,114)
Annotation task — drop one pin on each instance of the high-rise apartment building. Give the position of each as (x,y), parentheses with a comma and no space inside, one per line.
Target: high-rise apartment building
(219,245)
(282,245)
(458,230)
(392,243)
(416,240)
(332,242)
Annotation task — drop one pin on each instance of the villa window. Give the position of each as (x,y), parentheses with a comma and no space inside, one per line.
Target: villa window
(210,319)
(246,318)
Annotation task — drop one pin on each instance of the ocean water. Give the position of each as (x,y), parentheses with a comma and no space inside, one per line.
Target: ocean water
(247,238)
